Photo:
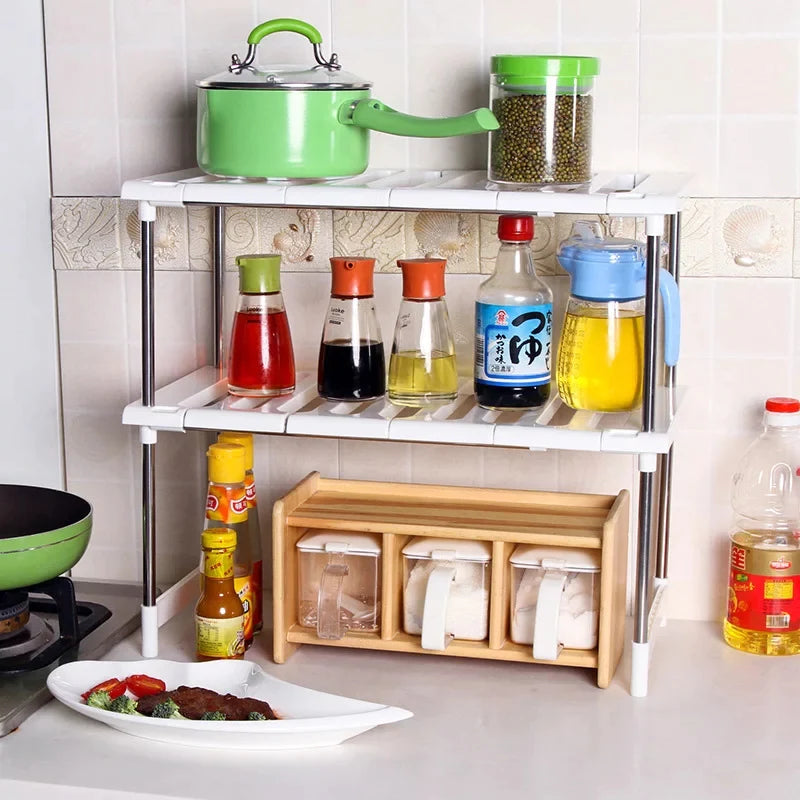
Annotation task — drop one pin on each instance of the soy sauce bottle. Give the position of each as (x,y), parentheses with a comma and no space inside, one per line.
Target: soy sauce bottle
(351,365)
(513,324)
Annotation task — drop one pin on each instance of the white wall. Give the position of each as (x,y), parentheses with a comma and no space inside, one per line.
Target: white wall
(29,400)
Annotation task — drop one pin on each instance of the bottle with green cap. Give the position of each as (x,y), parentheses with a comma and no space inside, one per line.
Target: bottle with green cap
(261,362)
(543,104)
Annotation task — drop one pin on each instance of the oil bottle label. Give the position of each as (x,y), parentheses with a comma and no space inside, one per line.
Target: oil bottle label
(244,588)
(764,589)
(512,344)
(226,503)
(219,638)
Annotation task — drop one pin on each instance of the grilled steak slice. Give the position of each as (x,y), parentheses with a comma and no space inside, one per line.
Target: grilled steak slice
(193,702)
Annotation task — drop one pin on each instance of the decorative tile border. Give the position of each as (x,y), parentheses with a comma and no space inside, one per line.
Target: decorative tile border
(720,237)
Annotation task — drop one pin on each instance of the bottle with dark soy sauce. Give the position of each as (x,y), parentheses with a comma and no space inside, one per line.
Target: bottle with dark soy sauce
(351,357)
(513,325)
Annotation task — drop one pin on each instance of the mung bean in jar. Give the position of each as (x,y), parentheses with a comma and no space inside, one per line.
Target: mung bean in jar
(544,107)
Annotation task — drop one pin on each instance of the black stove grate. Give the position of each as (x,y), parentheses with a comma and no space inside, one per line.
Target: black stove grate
(75,621)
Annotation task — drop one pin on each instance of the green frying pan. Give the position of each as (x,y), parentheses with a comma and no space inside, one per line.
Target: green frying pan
(43,533)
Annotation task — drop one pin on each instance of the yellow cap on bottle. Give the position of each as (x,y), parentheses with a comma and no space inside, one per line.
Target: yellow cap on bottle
(226,463)
(240,438)
(219,539)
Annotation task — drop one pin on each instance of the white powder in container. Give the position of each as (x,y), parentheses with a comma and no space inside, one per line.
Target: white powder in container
(467,605)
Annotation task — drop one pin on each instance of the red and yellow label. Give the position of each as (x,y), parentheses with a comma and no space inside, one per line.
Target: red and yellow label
(763,587)
(218,564)
(250,490)
(244,589)
(219,638)
(226,503)
(257,582)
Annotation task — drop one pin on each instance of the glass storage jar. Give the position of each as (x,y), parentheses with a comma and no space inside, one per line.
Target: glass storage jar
(446,590)
(544,107)
(555,599)
(339,582)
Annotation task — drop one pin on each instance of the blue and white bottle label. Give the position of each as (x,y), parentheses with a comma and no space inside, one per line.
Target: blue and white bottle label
(512,344)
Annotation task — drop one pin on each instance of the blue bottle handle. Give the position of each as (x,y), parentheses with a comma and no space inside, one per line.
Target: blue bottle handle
(671,300)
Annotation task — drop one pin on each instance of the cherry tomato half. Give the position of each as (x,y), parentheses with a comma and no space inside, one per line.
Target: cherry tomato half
(144,685)
(114,686)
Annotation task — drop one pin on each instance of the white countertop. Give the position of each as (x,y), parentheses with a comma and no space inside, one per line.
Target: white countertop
(717,724)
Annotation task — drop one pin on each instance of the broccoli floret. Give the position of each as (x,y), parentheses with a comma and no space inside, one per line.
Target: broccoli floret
(99,700)
(214,715)
(255,715)
(167,710)
(123,705)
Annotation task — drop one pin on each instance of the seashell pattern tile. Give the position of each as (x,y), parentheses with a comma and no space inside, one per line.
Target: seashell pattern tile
(200,231)
(85,233)
(374,234)
(302,236)
(453,236)
(753,237)
(171,246)
(697,220)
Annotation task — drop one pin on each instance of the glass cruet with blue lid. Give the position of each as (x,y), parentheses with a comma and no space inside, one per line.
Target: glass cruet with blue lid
(600,364)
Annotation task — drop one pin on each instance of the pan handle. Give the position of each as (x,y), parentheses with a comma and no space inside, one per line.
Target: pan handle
(377,116)
(283,24)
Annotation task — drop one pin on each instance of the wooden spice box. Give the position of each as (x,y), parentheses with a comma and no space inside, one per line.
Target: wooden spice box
(399,511)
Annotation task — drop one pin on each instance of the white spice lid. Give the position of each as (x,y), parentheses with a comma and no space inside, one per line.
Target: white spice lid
(350,542)
(449,550)
(572,559)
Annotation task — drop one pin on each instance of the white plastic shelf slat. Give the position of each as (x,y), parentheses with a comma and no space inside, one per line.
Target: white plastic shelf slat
(625,194)
(200,402)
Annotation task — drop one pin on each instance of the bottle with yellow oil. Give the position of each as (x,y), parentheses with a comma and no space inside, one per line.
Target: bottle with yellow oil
(763,598)
(422,367)
(600,364)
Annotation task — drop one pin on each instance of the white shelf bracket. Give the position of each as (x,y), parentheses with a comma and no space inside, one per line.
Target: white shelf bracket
(648,462)
(654,225)
(148,435)
(147,211)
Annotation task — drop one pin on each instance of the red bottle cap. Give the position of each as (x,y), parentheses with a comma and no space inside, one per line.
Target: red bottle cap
(783,405)
(352,277)
(423,278)
(513,228)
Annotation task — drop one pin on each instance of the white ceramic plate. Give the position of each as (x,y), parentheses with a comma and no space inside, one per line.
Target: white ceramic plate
(308,718)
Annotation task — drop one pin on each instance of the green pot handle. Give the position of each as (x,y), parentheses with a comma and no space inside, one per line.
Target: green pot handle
(377,116)
(283,24)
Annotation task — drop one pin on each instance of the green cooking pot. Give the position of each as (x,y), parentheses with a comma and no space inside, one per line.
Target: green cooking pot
(298,122)
(43,533)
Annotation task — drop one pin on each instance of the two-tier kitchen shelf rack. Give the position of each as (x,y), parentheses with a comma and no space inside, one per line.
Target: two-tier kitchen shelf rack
(199,401)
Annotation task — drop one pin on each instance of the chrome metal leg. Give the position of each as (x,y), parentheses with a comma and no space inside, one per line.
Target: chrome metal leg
(219,276)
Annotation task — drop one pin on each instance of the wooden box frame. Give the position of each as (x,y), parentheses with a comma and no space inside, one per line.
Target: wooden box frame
(505,518)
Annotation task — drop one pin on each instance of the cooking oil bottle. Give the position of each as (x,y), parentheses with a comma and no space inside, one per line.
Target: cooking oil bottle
(422,367)
(764,578)
(600,364)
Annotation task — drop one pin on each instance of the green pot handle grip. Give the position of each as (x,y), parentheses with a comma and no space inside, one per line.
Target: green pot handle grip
(284,24)
(280,25)
(377,116)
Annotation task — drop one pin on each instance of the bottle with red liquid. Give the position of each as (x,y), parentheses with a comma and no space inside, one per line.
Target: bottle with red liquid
(261,360)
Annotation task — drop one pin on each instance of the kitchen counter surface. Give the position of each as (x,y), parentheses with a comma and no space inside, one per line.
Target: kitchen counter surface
(717,724)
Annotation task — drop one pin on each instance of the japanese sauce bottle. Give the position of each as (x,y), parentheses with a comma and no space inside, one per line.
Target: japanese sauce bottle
(422,367)
(245,440)
(764,578)
(219,613)
(226,507)
(261,360)
(351,364)
(513,324)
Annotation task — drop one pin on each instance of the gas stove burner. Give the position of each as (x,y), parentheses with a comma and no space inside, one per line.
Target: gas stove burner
(34,636)
(14,612)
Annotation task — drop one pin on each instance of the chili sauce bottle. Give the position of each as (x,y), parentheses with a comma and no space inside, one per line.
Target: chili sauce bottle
(261,362)
(219,613)
(226,507)
(351,363)
(245,440)
(422,367)
(513,325)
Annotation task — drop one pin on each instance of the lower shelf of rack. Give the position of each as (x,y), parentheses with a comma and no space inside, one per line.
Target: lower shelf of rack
(405,643)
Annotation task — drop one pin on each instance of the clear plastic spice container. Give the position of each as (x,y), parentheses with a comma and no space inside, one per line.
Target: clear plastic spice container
(446,590)
(339,582)
(544,107)
(555,599)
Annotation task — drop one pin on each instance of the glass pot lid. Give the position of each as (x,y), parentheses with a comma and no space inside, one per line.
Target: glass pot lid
(326,74)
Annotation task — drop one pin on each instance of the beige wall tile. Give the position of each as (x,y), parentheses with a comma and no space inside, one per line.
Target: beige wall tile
(770,16)
(355,21)
(292,48)
(697,317)
(91,306)
(697,220)
(374,461)
(588,19)
(434,463)
(679,16)
(374,234)
(149,23)
(85,233)
(759,76)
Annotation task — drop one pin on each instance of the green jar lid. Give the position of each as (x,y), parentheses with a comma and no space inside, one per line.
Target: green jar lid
(515,70)
(259,273)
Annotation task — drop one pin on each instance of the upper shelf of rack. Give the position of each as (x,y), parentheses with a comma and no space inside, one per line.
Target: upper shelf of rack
(619,194)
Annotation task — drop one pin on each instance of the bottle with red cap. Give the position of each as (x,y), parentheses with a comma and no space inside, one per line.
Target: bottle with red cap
(764,570)
(422,367)
(513,324)
(351,365)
